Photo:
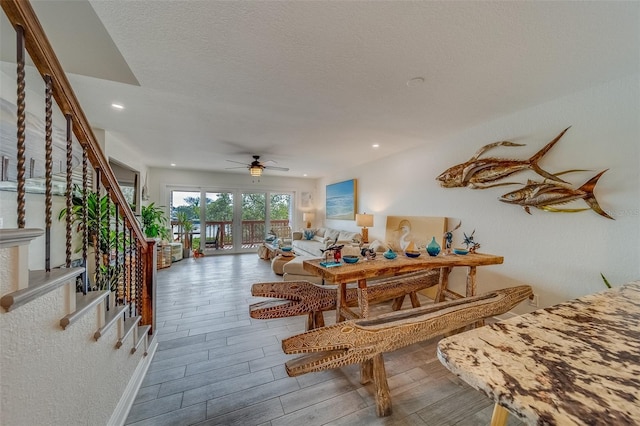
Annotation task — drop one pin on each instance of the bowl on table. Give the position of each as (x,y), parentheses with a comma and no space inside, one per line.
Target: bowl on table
(350,259)
(412,253)
(286,249)
(389,254)
(461,251)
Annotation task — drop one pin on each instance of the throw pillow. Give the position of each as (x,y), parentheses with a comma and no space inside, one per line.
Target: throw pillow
(309,233)
(332,234)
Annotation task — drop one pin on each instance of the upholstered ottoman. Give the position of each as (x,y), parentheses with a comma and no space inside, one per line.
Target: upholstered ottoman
(293,271)
(279,261)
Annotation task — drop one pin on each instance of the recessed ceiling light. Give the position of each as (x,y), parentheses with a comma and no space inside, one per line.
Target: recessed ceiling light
(416,81)
(173,164)
(117,106)
(304,175)
(375,145)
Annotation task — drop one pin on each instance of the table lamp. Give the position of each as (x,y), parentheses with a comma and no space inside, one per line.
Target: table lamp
(307,217)
(364,220)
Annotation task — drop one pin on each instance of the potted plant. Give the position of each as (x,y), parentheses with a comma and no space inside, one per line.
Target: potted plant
(154,222)
(186,232)
(99,218)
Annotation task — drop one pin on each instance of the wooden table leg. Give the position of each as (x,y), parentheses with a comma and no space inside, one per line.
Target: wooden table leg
(443,284)
(500,416)
(471,281)
(415,302)
(383,396)
(341,298)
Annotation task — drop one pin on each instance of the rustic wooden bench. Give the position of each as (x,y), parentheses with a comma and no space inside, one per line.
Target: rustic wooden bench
(365,340)
(294,298)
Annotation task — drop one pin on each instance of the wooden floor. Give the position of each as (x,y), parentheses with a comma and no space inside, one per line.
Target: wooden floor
(217,366)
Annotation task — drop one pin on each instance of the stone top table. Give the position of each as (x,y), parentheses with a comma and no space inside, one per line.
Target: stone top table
(574,363)
(380,266)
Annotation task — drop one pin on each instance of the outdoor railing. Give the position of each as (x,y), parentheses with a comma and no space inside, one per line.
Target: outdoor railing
(219,234)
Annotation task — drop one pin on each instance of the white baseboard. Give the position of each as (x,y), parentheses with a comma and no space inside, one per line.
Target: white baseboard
(119,416)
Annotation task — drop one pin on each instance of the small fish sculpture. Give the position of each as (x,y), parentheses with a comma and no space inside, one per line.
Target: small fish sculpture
(545,195)
(479,173)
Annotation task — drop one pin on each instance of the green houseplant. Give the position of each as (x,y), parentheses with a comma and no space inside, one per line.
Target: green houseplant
(100,217)
(185,230)
(154,222)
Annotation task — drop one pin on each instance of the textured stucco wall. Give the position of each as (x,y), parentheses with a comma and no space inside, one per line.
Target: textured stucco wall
(59,377)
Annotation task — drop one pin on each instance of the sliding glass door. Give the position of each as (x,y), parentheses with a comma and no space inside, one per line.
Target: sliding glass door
(218,217)
(222,225)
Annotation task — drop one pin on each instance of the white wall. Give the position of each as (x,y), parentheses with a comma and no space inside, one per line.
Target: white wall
(560,254)
(161,179)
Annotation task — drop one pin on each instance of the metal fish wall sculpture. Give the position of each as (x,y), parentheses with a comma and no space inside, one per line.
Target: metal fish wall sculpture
(480,173)
(546,195)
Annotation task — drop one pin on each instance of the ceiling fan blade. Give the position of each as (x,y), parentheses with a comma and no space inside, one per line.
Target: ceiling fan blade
(282,169)
(239,162)
(229,168)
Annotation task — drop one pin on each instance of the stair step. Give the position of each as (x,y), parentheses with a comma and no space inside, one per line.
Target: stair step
(40,283)
(110,319)
(84,303)
(143,332)
(128,327)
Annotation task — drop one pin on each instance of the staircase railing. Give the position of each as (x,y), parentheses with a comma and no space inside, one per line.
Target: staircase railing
(131,253)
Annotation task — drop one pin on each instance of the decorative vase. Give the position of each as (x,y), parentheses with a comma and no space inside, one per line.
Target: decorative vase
(389,254)
(433,248)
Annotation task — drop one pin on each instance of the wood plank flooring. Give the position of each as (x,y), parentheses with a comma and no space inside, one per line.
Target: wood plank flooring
(217,366)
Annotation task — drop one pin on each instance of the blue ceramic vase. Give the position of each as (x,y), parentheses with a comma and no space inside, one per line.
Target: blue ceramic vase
(433,248)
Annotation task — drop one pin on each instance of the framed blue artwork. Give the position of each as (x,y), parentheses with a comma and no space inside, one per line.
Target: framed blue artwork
(341,200)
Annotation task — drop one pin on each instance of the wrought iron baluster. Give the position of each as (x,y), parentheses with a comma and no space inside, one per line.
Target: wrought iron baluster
(85,227)
(21,118)
(48,165)
(138,284)
(97,224)
(108,269)
(68,192)
(128,283)
(118,252)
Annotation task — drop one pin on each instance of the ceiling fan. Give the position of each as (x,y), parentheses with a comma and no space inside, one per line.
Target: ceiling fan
(256,166)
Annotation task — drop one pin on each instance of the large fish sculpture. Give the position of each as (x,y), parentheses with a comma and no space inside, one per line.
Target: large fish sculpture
(479,173)
(546,195)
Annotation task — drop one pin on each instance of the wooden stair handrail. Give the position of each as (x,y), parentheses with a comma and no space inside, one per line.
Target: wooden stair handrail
(20,13)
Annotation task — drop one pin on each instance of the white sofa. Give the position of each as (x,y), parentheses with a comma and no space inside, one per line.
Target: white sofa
(294,271)
(311,242)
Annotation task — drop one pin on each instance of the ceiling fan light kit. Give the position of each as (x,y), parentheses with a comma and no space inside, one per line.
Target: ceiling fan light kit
(256,166)
(255,171)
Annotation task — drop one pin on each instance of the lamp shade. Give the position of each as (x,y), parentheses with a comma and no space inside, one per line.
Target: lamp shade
(365,220)
(307,217)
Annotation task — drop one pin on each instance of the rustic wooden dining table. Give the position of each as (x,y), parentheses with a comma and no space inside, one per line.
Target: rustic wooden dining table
(365,269)
(575,363)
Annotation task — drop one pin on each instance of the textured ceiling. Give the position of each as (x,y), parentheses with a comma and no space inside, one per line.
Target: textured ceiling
(313,84)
